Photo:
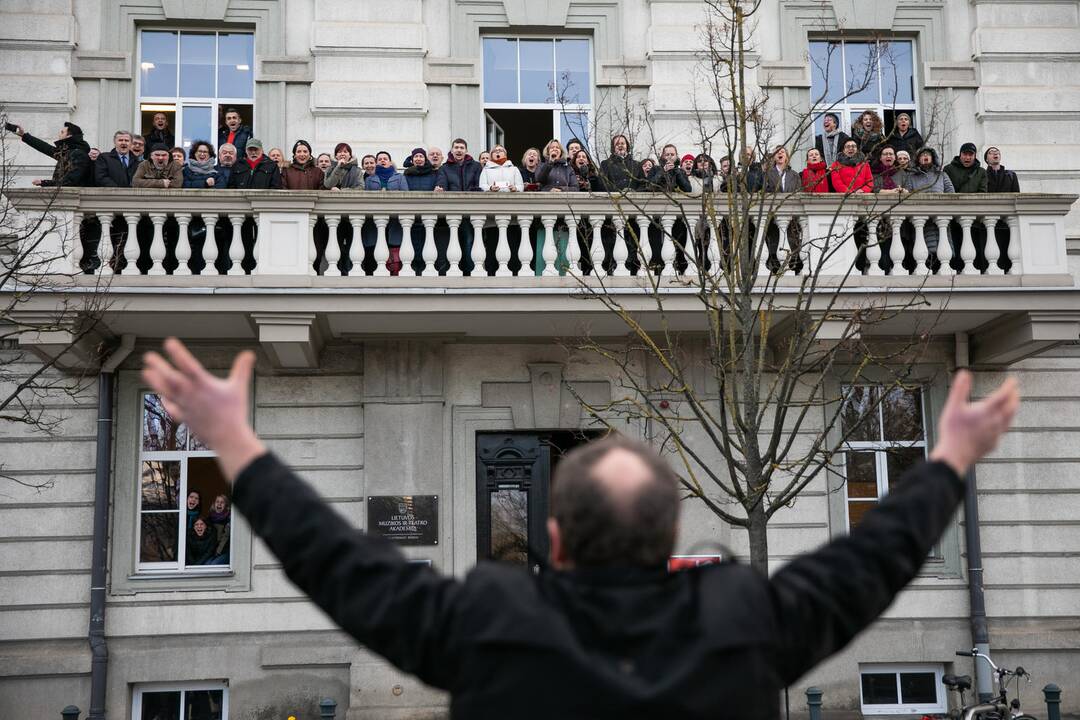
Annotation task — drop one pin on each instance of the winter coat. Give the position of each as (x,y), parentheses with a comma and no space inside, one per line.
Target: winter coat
(911,141)
(557,176)
(753,177)
(344,176)
(886,178)
(109,170)
(265,176)
(221,527)
(1001,180)
(148,176)
(243,134)
(617,642)
(618,174)
(165,137)
(933,180)
(851,175)
(528,176)
(72,155)
(223,174)
(196,180)
(394,182)
(504,176)
(702,184)
(815,178)
(967,179)
(829,151)
(307,176)
(870,143)
(588,180)
(661,181)
(200,550)
(458,176)
(420,177)
(792,183)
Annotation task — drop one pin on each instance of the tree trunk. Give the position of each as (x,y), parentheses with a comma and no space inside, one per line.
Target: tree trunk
(757,531)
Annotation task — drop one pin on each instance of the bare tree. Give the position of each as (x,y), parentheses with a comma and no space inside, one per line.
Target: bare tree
(38,305)
(756,395)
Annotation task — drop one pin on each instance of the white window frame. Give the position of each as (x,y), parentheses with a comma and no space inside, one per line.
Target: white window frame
(845,109)
(941,706)
(179,566)
(558,110)
(183,687)
(881,449)
(180,101)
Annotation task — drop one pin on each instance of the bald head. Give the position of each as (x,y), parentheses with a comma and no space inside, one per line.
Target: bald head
(614,502)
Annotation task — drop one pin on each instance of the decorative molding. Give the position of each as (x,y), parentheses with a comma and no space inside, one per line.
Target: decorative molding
(552,13)
(195,9)
(545,401)
(864,14)
(291,340)
(781,73)
(403,370)
(293,69)
(950,75)
(99,65)
(1012,339)
(451,71)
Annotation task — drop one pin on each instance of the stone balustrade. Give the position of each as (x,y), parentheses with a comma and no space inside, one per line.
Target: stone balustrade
(277,233)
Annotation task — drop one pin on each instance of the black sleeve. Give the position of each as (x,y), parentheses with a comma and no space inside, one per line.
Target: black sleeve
(275,178)
(542,173)
(440,177)
(682,182)
(403,611)
(822,600)
(40,145)
(101,172)
(76,169)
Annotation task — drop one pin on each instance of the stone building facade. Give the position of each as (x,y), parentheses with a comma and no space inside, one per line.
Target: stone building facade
(379,387)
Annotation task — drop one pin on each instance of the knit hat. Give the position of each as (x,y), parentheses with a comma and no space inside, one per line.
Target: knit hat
(987,152)
(687,156)
(73,129)
(159,147)
(253,143)
(968,147)
(298,143)
(420,151)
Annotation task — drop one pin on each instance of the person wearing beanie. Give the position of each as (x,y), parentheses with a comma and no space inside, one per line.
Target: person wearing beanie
(419,172)
(255,171)
(965,172)
(71,153)
(687,164)
(998,178)
(302,173)
(160,170)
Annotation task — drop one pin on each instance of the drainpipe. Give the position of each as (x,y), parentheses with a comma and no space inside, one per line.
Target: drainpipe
(99,652)
(980,633)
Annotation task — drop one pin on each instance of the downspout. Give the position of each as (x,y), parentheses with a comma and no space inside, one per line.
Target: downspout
(99,652)
(980,633)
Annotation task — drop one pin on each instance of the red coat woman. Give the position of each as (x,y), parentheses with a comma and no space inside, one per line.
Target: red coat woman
(815,177)
(851,172)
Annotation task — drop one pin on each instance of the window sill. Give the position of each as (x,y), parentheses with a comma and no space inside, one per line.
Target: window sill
(224,580)
(178,575)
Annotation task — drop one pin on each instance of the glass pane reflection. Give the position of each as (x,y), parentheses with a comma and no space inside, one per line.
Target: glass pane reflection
(572,71)
(537,71)
(157,66)
(197,57)
(500,70)
(161,705)
(236,65)
(510,526)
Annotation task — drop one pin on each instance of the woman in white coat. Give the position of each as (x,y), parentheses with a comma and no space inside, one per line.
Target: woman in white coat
(500,175)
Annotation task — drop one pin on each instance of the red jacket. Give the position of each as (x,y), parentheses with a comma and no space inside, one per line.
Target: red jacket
(814,178)
(851,178)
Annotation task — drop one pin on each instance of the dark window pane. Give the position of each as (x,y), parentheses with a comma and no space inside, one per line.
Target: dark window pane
(510,526)
(856,510)
(826,72)
(537,71)
(859,414)
(157,66)
(160,484)
(159,537)
(860,65)
(918,688)
(236,65)
(500,70)
(902,412)
(161,706)
(213,547)
(861,475)
(572,71)
(197,58)
(897,73)
(202,705)
(160,432)
(899,460)
(879,689)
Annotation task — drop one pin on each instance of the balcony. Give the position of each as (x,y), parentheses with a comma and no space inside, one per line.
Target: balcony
(1015,297)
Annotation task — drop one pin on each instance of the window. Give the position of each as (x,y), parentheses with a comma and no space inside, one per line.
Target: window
(180,701)
(192,78)
(885,436)
(549,79)
(185,509)
(849,77)
(901,689)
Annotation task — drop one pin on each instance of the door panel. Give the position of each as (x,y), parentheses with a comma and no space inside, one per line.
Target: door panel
(512,472)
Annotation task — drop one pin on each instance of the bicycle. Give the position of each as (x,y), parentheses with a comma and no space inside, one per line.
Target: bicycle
(998,708)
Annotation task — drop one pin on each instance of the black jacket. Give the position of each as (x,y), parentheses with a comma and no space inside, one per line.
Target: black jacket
(1001,180)
(557,175)
(675,179)
(912,141)
(165,137)
(612,643)
(265,176)
(110,172)
(458,176)
(72,155)
(243,134)
(619,173)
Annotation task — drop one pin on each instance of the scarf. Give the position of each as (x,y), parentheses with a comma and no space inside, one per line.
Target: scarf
(500,162)
(253,163)
(384,174)
(828,148)
(886,174)
(217,518)
(201,169)
(853,161)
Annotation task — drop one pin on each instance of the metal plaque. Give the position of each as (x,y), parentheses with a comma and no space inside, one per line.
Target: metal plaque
(404,519)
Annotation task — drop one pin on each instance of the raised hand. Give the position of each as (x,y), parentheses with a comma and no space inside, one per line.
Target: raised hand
(215,409)
(967,430)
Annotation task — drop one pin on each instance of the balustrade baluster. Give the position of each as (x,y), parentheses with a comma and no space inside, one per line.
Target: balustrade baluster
(131,245)
(406,253)
(551,246)
(105,246)
(967,246)
(313,252)
(525,249)
(77,251)
(479,252)
(596,247)
(355,250)
(1013,249)
(944,246)
(183,244)
(919,251)
(667,245)
(573,254)
(428,251)
(209,248)
(382,250)
(644,247)
(236,244)
(992,252)
(761,245)
(502,249)
(804,244)
(333,249)
(782,250)
(896,247)
(621,250)
(157,245)
(873,247)
(453,250)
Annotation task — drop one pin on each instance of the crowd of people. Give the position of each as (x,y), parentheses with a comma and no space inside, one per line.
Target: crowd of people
(209,532)
(869,160)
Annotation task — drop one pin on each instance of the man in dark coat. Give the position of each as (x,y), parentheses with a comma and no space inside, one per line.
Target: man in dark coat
(117,167)
(605,630)
(998,178)
(72,155)
(620,172)
(967,175)
(234,131)
(256,171)
(160,132)
(460,171)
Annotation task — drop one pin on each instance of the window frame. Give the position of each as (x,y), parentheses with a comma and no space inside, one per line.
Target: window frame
(124,575)
(941,706)
(179,101)
(845,108)
(139,689)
